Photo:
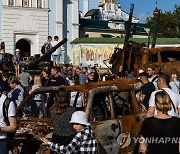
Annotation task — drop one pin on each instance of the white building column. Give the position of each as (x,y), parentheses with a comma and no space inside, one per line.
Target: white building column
(73,26)
(18,3)
(59,19)
(45,3)
(75,19)
(34,3)
(85,6)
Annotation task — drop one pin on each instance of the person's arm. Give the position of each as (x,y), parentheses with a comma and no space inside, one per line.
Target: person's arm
(70,148)
(12,127)
(34,87)
(30,79)
(179,107)
(150,111)
(143,146)
(83,99)
(143,96)
(178,112)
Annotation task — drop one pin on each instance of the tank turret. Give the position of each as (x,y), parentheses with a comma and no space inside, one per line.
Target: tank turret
(32,65)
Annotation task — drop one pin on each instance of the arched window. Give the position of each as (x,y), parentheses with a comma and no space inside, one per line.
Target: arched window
(39,3)
(25,3)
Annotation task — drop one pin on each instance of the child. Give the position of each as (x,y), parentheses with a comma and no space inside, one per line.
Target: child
(83,142)
(16,61)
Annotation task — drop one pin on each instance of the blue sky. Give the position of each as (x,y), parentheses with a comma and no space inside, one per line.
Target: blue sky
(142,8)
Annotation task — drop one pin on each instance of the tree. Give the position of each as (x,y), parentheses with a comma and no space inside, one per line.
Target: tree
(169,23)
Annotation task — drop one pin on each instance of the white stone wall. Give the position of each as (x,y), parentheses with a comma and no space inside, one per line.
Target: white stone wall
(24,23)
(74,25)
(59,19)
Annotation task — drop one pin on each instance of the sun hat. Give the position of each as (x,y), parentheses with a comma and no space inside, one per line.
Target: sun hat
(79,117)
(17,50)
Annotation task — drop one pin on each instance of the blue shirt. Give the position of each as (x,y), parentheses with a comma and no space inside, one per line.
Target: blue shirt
(175,86)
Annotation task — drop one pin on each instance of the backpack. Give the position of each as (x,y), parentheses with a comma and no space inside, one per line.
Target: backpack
(48,46)
(154,79)
(10,136)
(43,49)
(5,110)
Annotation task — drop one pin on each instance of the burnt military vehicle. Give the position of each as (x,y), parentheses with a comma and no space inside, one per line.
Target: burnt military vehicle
(32,63)
(135,56)
(112,108)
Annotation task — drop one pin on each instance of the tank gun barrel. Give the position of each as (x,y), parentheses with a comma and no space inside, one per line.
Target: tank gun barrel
(48,53)
(128,28)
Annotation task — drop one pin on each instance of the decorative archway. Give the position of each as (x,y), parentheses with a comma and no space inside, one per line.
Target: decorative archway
(25,47)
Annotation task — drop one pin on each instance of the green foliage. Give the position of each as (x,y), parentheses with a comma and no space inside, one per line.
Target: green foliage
(169,23)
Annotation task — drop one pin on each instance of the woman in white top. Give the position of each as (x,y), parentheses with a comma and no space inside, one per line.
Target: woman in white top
(37,98)
(77,97)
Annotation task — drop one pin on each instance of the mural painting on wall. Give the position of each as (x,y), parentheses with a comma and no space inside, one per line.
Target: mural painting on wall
(92,54)
(76,54)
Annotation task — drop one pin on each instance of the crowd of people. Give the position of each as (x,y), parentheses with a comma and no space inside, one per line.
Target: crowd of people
(160,95)
(17,87)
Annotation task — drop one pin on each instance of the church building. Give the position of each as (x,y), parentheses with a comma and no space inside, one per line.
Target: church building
(25,24)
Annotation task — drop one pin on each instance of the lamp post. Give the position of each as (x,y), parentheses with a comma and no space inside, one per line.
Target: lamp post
(156,14)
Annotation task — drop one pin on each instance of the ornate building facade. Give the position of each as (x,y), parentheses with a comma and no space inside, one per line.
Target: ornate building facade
(25,24)
(109,10)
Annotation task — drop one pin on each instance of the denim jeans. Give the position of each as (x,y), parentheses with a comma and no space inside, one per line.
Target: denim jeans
(3,147)
(35,107)
(26,90)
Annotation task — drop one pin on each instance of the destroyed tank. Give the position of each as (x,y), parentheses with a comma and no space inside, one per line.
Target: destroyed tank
(134,56)
(32,63)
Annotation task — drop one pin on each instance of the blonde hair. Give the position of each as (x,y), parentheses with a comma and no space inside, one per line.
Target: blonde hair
(163,102)
(37,80)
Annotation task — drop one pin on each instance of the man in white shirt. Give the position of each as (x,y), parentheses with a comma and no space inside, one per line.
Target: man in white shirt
(56,54)
(4,129)
(163,83)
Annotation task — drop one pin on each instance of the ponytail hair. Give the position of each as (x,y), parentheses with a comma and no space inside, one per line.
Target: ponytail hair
(163,102)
